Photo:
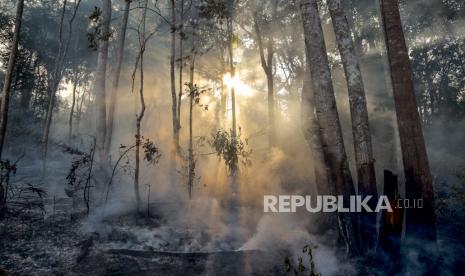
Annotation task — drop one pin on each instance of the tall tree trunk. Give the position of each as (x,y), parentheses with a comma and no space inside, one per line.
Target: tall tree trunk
(181,62)
(328,119)
(100,81)
(173,80)
(360,126)
(140,116)
(311,131)
(79,110)
(56,78)
(116,77)
(420,222)
(233,102)
(5,100)
(191,172)
(223,91)
(267,65)
(71,113)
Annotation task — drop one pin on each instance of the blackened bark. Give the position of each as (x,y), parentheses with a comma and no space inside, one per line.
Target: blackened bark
(390,230)
(420,222)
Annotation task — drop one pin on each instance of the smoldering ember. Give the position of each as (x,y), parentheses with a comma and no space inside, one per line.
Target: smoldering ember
(232,137)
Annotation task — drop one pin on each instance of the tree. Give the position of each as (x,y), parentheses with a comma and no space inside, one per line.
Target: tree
(267,65)
(175,119)
(63,47)
(328,119)
(143,38)
(116,77)
(5,100)
(364,160)
(420,222)
(100,80)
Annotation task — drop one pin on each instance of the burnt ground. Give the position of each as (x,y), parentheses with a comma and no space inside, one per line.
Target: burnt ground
(131,245)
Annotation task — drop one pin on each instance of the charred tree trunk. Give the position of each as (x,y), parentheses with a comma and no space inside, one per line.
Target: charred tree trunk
(360,126)
(116,77)
(420,222)
(328,119)
(390,230)
(5,100)
(100,81)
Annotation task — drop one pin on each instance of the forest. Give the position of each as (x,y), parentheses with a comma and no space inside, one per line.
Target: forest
(143,137)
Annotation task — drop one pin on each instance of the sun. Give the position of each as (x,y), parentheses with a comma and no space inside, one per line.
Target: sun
(239,87)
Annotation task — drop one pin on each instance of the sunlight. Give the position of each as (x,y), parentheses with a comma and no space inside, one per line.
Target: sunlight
(239,87)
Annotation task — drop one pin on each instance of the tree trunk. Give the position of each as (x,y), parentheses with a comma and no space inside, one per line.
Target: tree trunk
(234,184)
(56,79)
(267,65)
(173,79)
(328,119)
(5,101)
(181,62)
(79,111)
(311,131)
(100,81)
(116,77)
(191,137)
(420,222)
(390,229)
(364,160)
(140,116)
(71,113)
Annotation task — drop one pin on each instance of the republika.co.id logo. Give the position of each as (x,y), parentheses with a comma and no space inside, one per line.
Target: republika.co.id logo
(331,203)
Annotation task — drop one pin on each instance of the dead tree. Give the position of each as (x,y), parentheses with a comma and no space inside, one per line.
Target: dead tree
(420,222)
(5,100)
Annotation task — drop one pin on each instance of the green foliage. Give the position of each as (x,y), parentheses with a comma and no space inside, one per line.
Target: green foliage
(231,148)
